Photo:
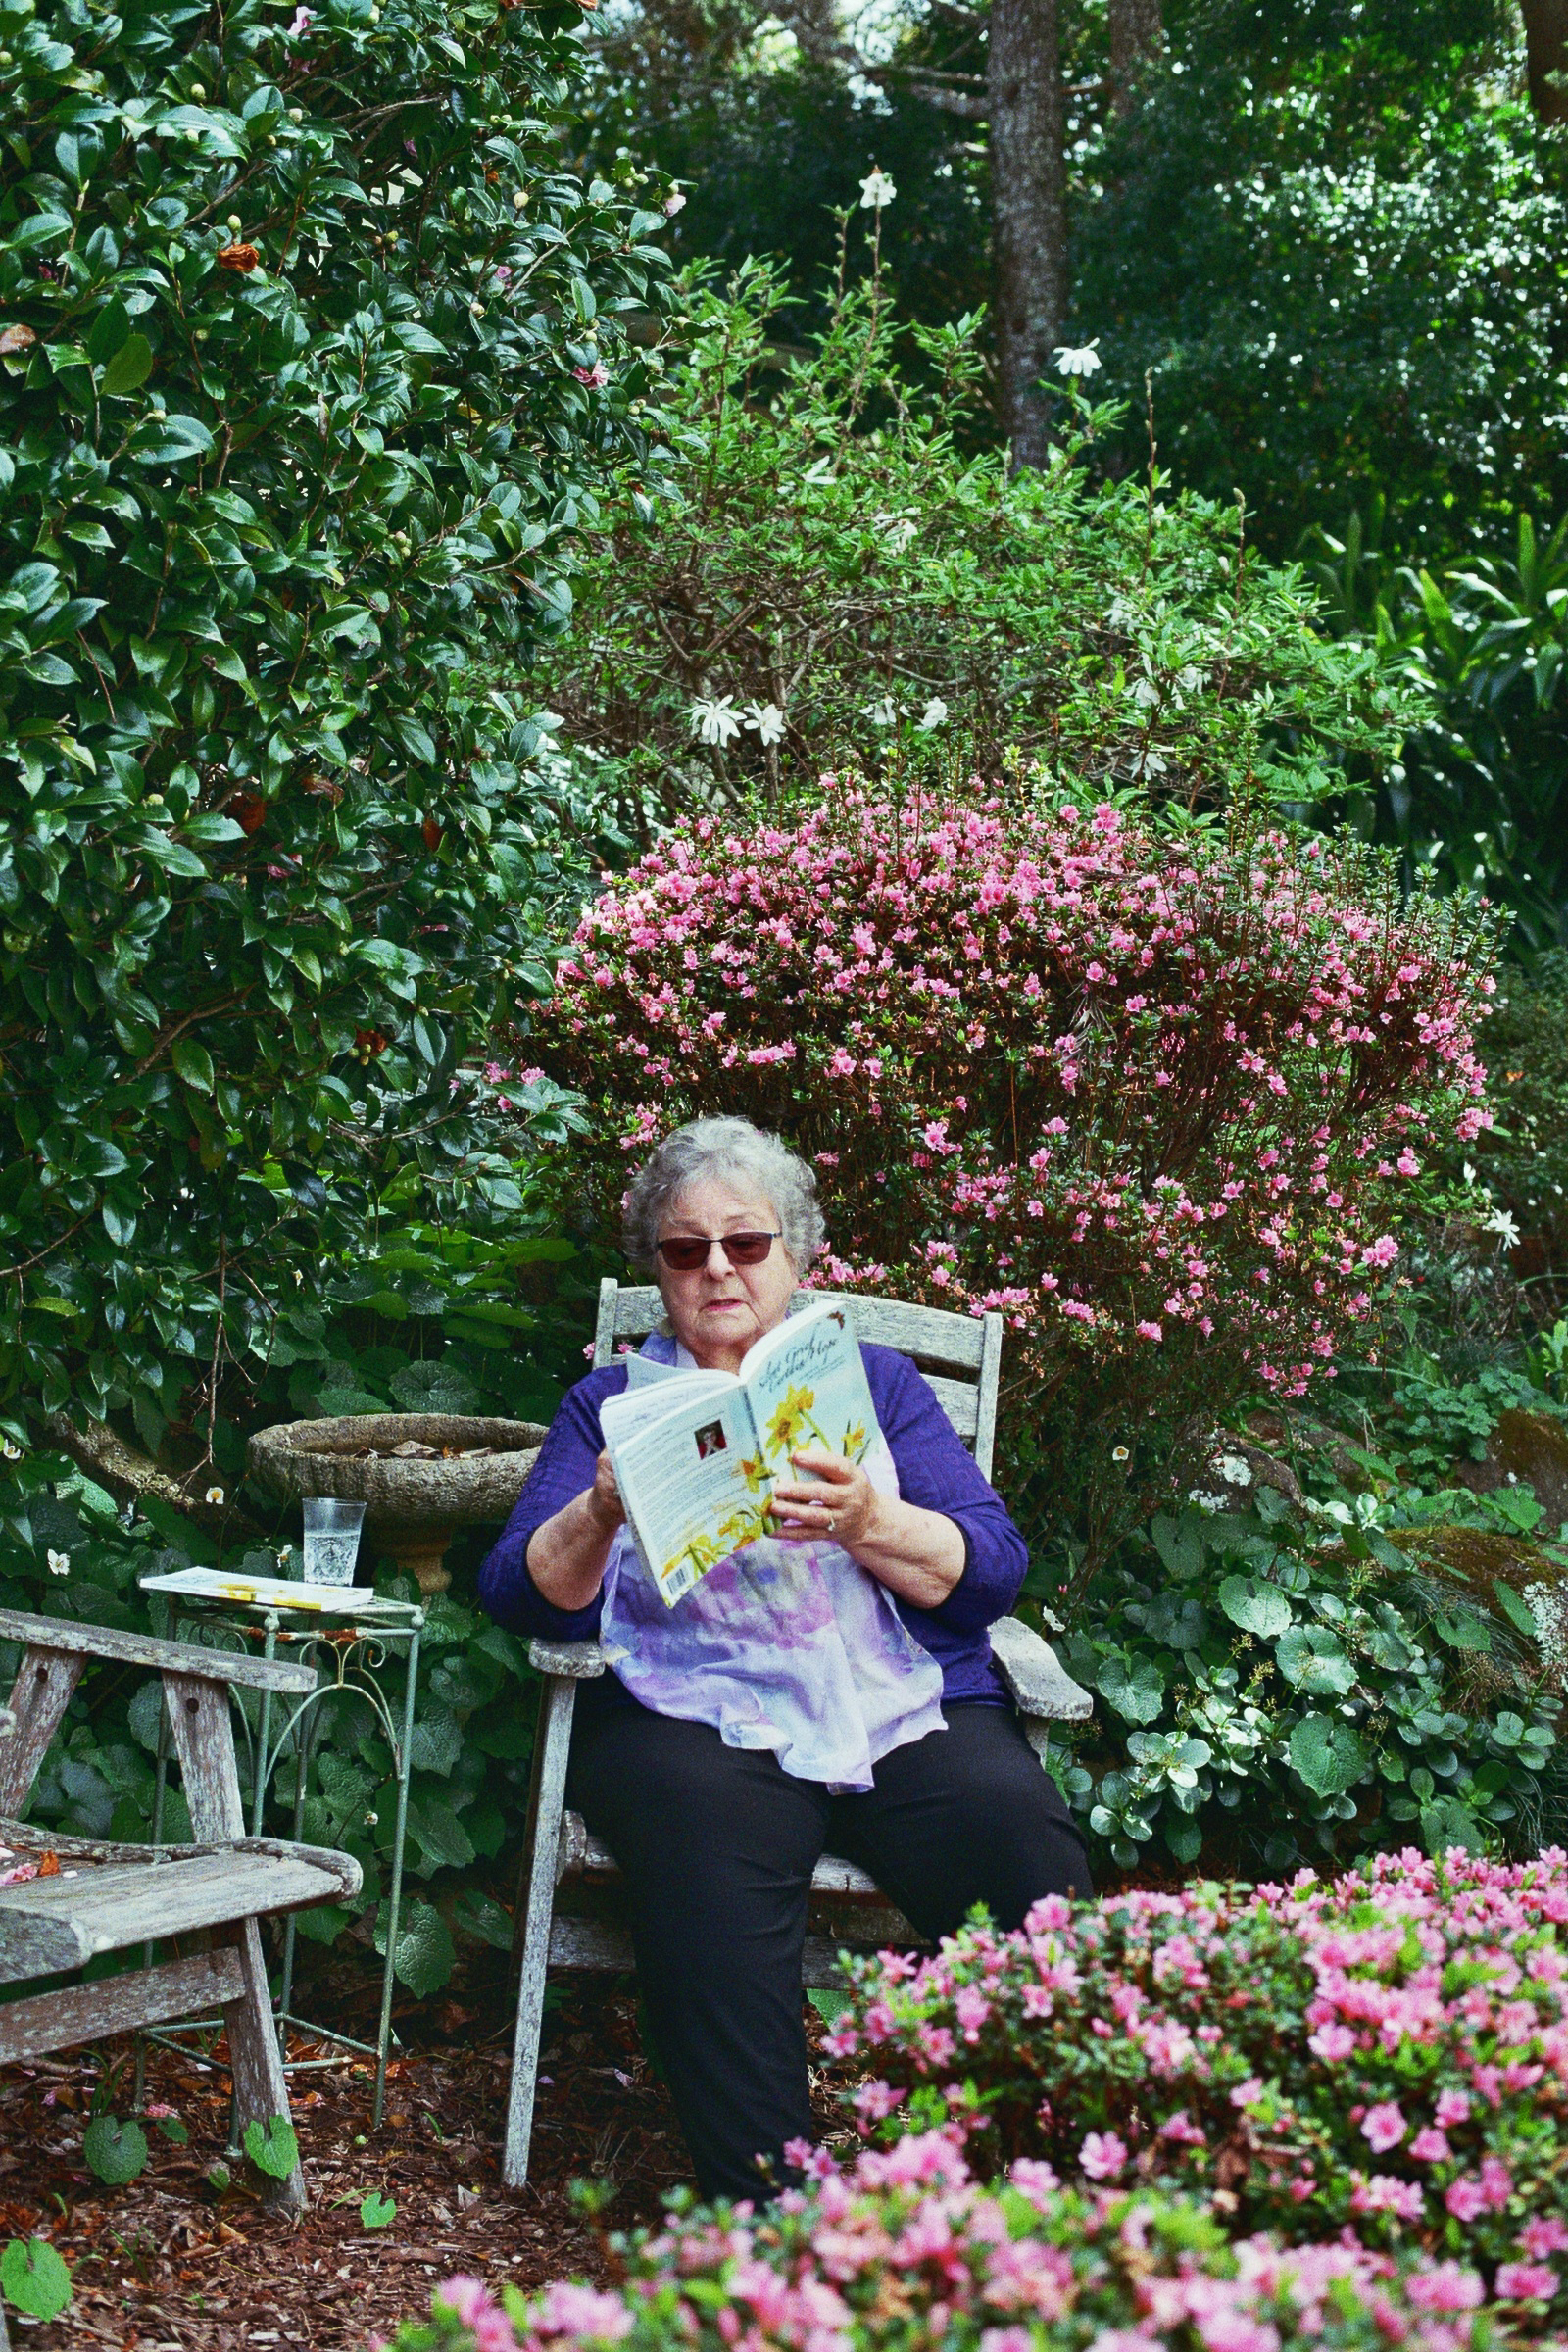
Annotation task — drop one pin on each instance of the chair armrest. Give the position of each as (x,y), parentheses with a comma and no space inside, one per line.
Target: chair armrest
(1040,1685)
(577,1661)
(66,1638)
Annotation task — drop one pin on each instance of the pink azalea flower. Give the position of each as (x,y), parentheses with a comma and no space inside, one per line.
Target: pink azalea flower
(1102,2155)
(1526,2282)
(1383,2126)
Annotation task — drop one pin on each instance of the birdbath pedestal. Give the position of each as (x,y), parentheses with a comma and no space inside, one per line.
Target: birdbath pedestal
(421,1476)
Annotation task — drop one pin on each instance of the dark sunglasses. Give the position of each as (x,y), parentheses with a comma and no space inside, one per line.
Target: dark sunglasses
(686,1252)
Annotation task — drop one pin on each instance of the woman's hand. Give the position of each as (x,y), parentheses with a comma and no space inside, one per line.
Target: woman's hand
(604,1496)
(917,1554)
(566,1555)
(839,1503)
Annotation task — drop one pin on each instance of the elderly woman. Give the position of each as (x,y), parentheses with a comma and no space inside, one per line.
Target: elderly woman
(830,1689)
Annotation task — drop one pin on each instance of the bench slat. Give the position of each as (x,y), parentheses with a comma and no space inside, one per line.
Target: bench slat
(56,1923)
(142,1997)
(144,1650)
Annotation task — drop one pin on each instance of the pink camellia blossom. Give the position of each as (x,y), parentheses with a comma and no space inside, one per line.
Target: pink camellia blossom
(1525,2282)
(1384,2126)
(303,20)
(593,377)
(1102,2155)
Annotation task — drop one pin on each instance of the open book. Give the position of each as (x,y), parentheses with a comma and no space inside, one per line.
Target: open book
(697,1454)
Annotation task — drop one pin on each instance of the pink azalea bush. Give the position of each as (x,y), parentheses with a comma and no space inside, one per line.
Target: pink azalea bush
(904,2251)
(1157,1097)
(1385,2053)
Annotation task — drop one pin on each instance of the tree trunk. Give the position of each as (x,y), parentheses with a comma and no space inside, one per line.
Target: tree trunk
(1135,34)
(1546,53)
(1028,213)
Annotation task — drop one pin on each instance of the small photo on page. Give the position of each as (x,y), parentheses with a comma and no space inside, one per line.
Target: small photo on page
(710,1439)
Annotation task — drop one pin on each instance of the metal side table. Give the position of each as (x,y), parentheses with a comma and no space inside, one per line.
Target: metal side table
(347,1640)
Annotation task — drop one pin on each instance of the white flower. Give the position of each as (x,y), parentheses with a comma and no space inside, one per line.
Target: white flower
(1500,1222)
(674,203)
(10,1451)
(884,714)
(935,711)
(284,1559)
(713,719)
(1469,1173)
(766,719)
(896,531)
(876,190)
(1079,359)
(60,1564)
(213,1494)
(1119,1453)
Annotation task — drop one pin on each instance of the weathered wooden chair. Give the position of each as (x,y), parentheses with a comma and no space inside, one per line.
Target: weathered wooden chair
(109,1899)
(962,1357)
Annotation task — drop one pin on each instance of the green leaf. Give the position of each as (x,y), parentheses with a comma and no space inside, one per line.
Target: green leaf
(174,2130)
(1134,1686)
(274,2149)
(1256,1606)
(426,1954)
(131,364)
(378,2212)
(1310,1657)
(480,1917)
(193,1062)
(34,2279)
(1328,1754)
(1520,1615)
(1179,1544)
(435,1389)
(116,2152)
(1446,1821)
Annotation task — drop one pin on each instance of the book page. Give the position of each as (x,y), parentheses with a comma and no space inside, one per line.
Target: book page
(690,1477)
(808,1388)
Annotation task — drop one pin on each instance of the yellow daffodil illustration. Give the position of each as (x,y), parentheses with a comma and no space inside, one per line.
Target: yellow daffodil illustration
(791,1421)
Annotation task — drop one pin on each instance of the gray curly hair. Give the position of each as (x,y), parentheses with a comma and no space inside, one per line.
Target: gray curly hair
(723,1150)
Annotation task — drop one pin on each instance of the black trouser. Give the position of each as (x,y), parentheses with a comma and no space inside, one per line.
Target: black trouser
(717,1846)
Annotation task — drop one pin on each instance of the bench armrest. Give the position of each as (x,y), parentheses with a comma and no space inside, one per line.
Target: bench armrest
(1040,1685)
(576,1661)
(68,1638)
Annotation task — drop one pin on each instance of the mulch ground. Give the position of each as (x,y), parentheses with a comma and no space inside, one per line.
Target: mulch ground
(171,2264)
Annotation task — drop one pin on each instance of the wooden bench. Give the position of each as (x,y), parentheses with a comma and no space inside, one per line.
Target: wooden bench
(104,1897)
(962,1357)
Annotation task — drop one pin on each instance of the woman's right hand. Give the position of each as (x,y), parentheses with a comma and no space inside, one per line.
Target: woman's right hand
(604,1495)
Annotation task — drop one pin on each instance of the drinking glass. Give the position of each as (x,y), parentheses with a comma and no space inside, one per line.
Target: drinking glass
(331,1539)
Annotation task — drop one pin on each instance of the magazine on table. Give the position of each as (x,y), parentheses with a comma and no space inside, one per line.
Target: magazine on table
(697,1454)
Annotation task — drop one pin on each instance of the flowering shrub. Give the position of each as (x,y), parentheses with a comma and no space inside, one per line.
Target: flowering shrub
(1154,1095)
(905,2251)
(1388,2051)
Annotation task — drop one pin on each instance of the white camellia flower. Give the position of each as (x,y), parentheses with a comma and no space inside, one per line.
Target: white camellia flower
(876,190)
(213,1494)
(1082,359)
(60,1564)
(884,714)
(10,1451)
(674,203)
(713,717)
(933,716)
(766,719)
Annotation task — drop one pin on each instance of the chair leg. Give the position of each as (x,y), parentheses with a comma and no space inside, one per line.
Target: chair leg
(546,1803)
(260,2087)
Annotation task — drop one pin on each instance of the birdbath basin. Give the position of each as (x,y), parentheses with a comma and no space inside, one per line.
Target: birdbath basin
(421,1476)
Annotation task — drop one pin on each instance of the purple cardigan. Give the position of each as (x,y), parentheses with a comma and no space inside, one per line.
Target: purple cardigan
(934,1471)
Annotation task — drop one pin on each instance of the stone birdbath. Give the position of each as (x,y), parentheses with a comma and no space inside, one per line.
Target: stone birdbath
(420,1475)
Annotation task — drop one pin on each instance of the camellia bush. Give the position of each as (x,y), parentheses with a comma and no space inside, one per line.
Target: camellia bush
(902,2251)
(309,363)
(842,563)
(1385,2054)
(1155,1095)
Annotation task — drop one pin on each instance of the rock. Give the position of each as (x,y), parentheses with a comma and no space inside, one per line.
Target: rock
(1525,1449)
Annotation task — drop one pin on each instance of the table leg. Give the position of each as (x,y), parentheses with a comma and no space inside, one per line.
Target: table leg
(395,1893)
